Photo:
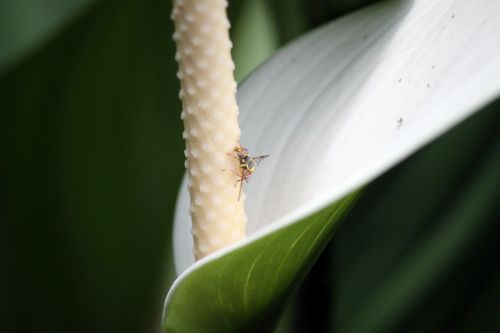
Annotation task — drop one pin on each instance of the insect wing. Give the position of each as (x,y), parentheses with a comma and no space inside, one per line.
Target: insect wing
(258,159)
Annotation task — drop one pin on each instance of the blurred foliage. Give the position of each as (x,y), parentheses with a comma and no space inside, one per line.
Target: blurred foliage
(92,161)
(28,24)
(256,34)
(419,252)
(92,165)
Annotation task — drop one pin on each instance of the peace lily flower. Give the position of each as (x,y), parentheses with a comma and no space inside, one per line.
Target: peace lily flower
(335,109)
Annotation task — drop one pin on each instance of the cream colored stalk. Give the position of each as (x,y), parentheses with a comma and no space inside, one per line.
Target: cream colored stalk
(208,93)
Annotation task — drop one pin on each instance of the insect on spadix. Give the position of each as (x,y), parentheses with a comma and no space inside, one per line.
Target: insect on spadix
(247,165)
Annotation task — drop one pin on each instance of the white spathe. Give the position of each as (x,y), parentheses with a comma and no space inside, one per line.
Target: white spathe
(343,104)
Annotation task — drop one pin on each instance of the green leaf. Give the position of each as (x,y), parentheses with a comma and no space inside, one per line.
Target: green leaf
(26,25)
(247,289)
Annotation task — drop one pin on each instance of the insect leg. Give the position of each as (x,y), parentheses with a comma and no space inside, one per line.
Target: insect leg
(243,178)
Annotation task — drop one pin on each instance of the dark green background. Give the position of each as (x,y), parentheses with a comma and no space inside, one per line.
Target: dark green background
(419,252)
(92,160)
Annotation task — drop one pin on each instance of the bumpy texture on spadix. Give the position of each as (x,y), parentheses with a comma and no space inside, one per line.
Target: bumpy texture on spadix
(208,93)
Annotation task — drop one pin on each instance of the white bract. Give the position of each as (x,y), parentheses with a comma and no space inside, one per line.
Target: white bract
(345,103)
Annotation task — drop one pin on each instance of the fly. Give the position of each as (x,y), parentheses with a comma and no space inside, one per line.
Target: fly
(248,164)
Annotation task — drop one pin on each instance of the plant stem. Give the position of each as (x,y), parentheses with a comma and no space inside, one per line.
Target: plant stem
(210,115)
